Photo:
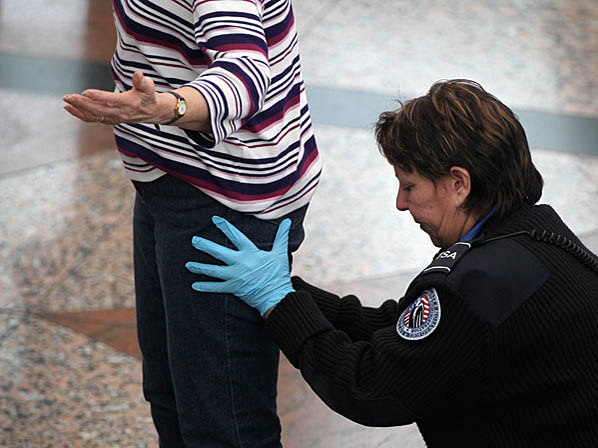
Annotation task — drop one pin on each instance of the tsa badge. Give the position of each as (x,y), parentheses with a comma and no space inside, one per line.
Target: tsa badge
(421,317)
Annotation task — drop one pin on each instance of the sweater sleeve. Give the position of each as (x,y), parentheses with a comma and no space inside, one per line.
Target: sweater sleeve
(348,388)
(232,35)
(347,313)
(388,380)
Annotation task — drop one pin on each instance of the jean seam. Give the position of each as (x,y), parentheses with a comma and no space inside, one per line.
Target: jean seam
(228,358)
(228,366)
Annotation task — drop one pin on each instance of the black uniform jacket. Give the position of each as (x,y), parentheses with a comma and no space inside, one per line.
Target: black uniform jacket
(494,344)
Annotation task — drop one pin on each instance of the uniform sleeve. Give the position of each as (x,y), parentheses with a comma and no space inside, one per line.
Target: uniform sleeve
(387,380)
(347,313)
(232,35)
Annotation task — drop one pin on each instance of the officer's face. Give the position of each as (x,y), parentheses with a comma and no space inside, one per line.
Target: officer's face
(436,207)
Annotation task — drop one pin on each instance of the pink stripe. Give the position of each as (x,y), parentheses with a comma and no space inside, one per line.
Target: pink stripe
(232,90)
(235,47)
(264,145)
(149,40)
(284,56)
(273,209)
(246,197)
(274,40)
(274,118)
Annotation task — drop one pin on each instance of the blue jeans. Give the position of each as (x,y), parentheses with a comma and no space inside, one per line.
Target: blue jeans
(209,373)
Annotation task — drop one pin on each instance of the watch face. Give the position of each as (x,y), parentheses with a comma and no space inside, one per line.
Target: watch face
(182,108)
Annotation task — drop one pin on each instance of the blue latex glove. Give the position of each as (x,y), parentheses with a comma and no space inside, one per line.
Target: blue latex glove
(261,278)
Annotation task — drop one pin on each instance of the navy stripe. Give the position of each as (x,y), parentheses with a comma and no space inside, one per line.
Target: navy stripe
(155,137)
(244,188)
(250,167)
(275,108)
(279,28)
(181,23)
(144,31)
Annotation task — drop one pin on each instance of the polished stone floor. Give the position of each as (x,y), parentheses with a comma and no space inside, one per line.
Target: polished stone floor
(69,364)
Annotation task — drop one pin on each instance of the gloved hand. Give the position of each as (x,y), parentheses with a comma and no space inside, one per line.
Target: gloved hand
(260,278)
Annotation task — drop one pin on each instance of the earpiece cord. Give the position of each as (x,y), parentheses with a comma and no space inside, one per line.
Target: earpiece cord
(587,258)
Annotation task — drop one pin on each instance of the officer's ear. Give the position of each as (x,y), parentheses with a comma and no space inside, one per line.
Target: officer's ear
(460,182)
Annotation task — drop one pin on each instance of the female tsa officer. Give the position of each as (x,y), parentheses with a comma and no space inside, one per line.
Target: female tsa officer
(495,342)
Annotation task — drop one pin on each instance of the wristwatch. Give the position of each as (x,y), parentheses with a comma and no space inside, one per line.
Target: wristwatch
(179,109)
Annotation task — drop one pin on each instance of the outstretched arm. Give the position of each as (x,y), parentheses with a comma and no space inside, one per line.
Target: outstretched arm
(219,99)
(141,104)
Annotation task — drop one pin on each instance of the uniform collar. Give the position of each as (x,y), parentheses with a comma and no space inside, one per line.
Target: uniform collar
(478,225)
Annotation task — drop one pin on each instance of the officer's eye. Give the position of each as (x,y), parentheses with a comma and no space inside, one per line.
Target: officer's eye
(407,188)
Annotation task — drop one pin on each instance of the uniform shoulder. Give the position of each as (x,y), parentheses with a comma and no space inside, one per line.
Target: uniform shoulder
(496,278)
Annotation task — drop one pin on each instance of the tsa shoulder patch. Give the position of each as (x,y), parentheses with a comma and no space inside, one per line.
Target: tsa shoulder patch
(421,317)
(445,261)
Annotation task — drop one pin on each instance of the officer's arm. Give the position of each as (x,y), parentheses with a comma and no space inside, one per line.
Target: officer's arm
(366,408)
(347,314)
(390,379)
(346,375)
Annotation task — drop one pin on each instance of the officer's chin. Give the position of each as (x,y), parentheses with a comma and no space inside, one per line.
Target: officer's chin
(438,242)
(435,241)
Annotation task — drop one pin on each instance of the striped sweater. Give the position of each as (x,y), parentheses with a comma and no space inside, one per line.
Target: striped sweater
(261,157)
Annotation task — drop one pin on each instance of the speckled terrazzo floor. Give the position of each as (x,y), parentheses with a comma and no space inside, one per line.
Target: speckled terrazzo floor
(69,369)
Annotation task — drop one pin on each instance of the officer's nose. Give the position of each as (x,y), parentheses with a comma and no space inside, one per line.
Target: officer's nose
(401,203)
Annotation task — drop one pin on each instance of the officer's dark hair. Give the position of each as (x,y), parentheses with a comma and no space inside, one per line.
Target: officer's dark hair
(458,123)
